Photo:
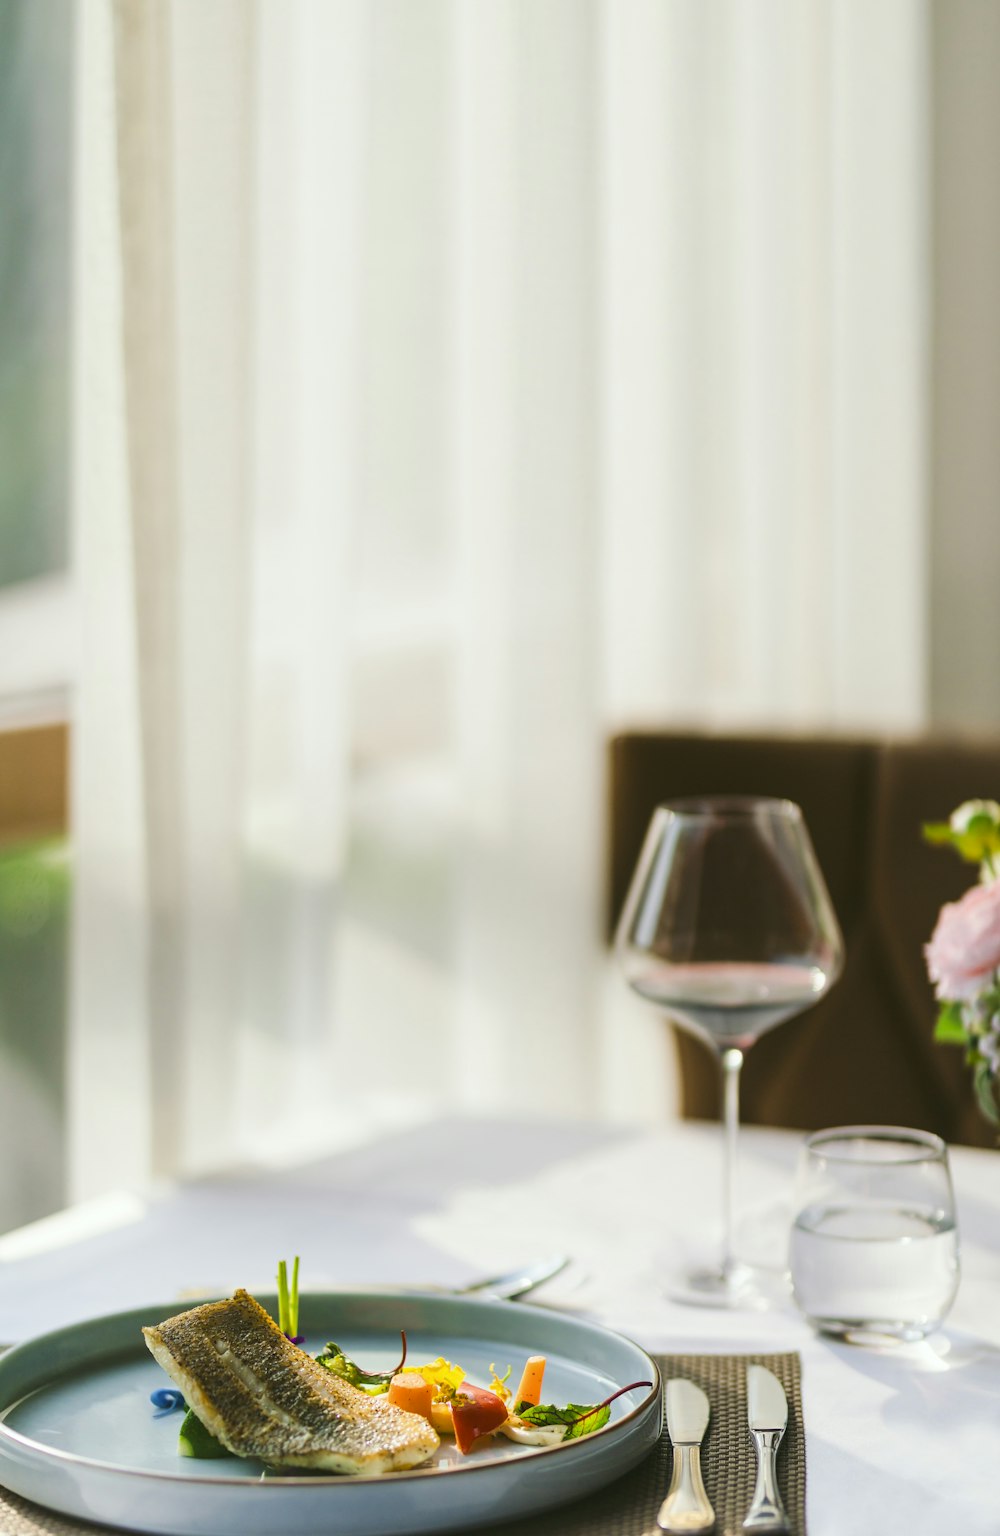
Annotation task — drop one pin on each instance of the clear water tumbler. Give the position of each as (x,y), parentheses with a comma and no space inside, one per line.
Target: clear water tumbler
(874,1243)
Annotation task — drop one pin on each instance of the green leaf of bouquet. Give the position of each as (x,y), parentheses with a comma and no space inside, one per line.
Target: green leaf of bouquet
(972,846)
(950,1027)
(985,1094)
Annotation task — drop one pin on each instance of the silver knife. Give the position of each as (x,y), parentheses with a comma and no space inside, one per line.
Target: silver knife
(686,1506)
(767,1416)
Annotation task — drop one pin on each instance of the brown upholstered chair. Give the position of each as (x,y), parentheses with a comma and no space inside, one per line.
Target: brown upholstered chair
(866,1053)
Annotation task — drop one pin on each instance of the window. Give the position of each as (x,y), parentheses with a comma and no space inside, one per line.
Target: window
(36,108)
(35,126)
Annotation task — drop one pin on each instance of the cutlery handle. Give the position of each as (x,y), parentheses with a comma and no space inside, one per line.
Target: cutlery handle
(686,1506)
(767,1513)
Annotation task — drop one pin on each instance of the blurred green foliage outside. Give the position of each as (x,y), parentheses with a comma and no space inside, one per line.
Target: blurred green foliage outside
(35,883)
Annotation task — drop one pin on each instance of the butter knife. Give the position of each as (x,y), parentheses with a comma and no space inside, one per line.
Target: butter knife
(767,1416)
(686,1506)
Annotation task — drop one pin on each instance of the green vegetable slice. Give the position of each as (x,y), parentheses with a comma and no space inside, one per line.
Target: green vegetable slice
(195,1440)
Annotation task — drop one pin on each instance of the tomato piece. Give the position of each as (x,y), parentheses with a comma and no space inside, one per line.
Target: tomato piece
(480,1414)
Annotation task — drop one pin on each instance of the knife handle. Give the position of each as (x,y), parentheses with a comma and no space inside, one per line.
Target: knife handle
(767,1513)
(686,1506)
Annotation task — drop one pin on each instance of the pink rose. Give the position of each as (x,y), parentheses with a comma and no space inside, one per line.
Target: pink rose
(964,950)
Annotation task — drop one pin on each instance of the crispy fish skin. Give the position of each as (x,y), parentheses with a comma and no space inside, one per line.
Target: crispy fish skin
(263,1397)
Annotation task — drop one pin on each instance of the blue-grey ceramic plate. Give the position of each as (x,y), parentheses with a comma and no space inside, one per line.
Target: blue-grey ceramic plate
(78,1431)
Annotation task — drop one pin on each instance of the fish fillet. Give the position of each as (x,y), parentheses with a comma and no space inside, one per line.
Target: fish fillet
(266,1398)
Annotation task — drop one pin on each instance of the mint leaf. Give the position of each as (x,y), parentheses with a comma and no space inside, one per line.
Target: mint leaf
(586,1425)
(579,1418)
(542,1414)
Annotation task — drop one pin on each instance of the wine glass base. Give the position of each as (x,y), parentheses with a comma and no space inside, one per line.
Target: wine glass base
(737,1288)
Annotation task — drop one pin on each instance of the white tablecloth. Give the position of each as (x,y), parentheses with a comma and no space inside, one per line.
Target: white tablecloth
(904,1440)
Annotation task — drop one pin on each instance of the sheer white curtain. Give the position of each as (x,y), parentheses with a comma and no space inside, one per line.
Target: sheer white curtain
(458,379)
(766,372)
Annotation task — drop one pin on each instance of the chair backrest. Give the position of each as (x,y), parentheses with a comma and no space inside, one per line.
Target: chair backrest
(866,1053)
(34,778)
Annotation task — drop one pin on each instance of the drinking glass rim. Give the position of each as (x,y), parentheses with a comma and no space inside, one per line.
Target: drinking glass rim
(710,807)
(923,1146)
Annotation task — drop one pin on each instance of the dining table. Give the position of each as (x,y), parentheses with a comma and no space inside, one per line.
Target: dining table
(898,1438)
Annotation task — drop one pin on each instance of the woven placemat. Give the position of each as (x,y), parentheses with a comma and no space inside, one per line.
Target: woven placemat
(628,1506)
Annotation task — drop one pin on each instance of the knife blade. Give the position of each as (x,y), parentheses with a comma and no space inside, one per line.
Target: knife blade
(686,1506)
(767,1417)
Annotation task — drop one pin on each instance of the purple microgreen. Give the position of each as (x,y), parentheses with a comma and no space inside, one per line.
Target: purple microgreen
(609,1400)
(166,1400)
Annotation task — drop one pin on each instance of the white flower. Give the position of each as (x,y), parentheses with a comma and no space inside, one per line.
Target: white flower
(960,818)
(989,1047)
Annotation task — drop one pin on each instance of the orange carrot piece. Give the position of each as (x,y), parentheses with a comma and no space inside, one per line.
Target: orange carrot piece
(409,1390)
(530,1389)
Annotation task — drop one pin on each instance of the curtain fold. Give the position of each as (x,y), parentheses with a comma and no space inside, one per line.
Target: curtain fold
(109,1082)
(494,374)
(766,372)
(146,184)
(527,444)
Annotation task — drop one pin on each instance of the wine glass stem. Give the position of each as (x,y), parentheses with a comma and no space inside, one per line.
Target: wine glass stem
(732,1063)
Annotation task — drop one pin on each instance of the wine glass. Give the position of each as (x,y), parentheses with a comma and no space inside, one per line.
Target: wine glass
(728,927)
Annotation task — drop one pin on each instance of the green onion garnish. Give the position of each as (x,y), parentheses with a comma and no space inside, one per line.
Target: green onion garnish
(293,1305)
(288,1299)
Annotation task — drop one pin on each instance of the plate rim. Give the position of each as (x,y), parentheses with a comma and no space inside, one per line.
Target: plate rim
(38,1449)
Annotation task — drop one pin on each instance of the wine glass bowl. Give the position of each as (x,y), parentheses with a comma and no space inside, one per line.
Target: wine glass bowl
(729,929)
